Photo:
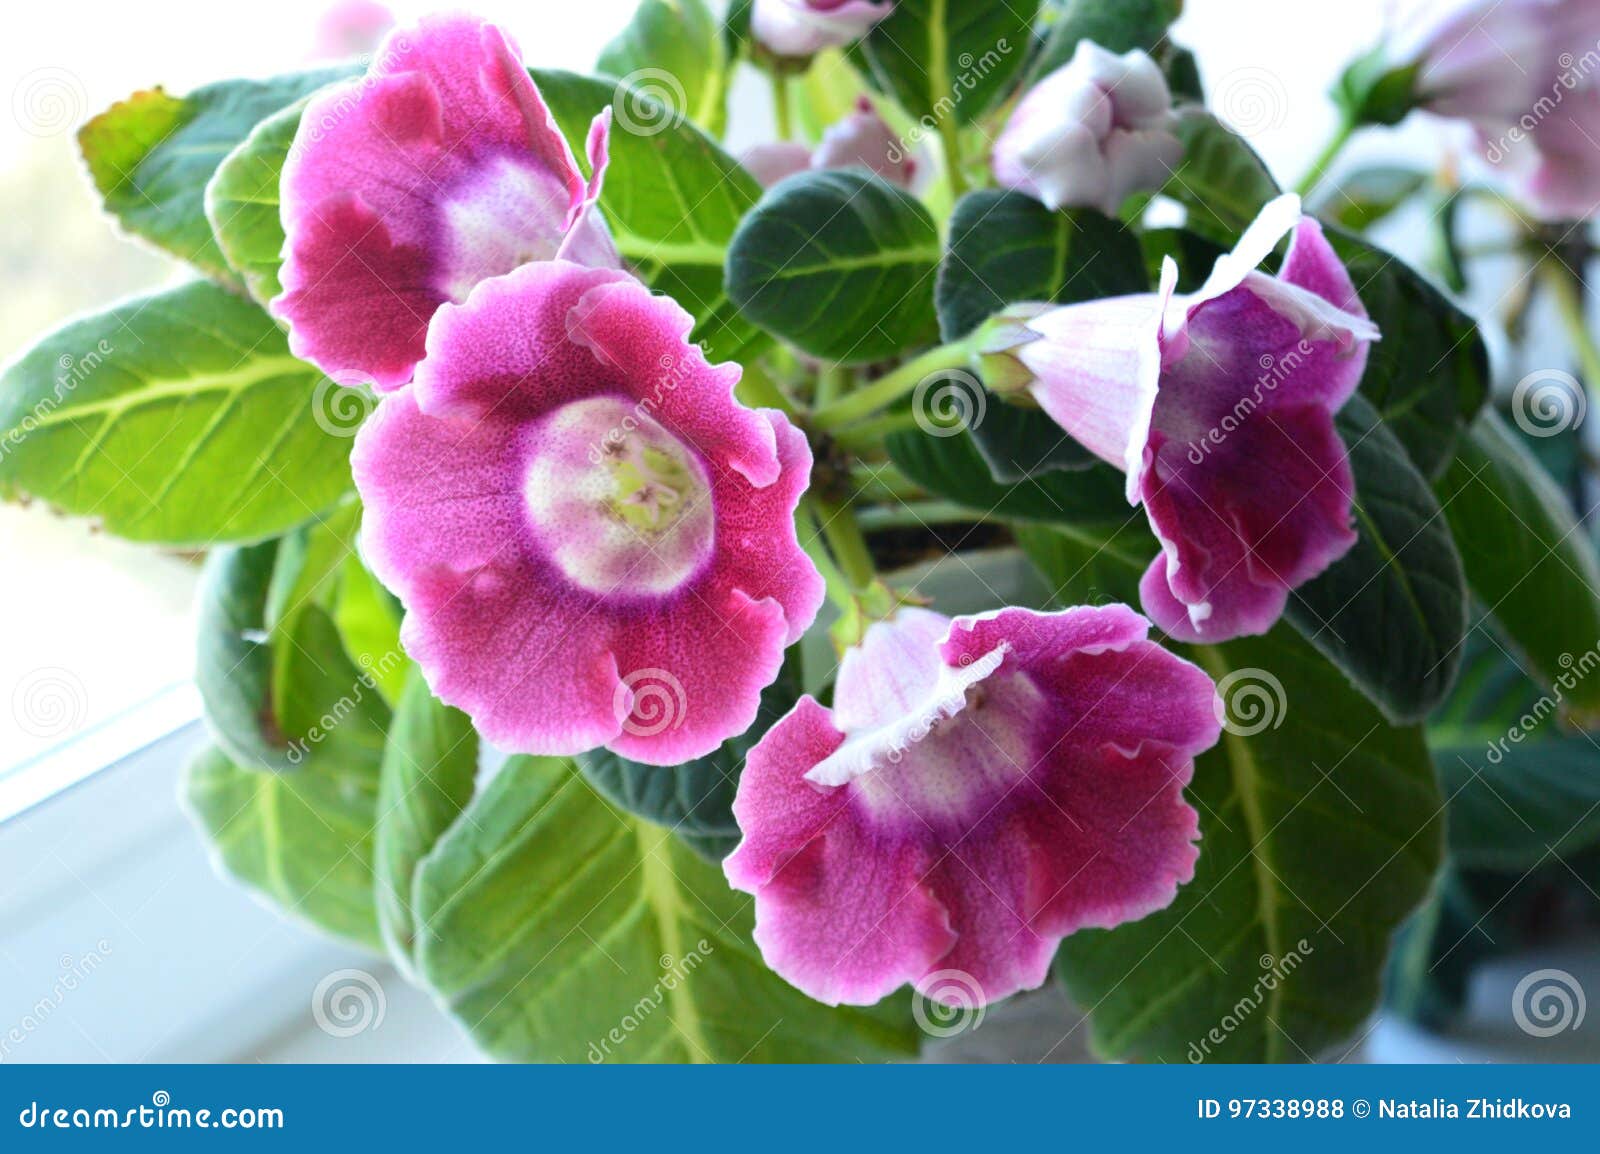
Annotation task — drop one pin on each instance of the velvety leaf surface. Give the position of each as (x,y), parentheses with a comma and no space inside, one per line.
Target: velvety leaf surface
(675,49)
(949,57)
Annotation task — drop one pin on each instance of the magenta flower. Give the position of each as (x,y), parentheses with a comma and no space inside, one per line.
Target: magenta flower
(802,27)
(1219,407)
(981,789)
(1514,69)
(593,540)
(1093,131)
(438,169)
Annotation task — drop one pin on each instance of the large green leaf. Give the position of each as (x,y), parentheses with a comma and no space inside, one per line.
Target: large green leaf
(1221,181)
(1369,194)
(1006,248)
(241,202)
(1429,374)
(840,263)
(301,839)
(179,418)
(556,928)
(151,155)
(675,49)
(1319,833)
(429,771)
(1392,612)
(943,58)
(672,198)
(1524,797)
(694,800)
(1117,27)
(1527,557)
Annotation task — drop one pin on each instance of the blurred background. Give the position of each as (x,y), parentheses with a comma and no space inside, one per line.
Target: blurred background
(116,941)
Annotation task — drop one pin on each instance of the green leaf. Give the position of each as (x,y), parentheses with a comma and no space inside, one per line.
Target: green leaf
(1523,797)
(429,771)
(693,800)
(241,202)
(840,263)
(672,198)
(301,839)
(1006,248)
(675,47)
(151,155)
(179,418)
(280,686)
(1118,27)
(1089,563)
(1429,374)
(1319,834)
(1527,558)
(945,58)
(1392,612)
(1221,182)
(1369,194)
(558,929)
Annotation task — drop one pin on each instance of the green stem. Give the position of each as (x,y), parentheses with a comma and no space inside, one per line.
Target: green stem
(834,581)
(832,383)
(1567,289)
(758,390)
(1325,159)
(917,515)
(950,135)
(845,541)
(782,109)
(890,387)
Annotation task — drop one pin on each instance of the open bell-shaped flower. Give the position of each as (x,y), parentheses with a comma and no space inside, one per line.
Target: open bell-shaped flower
(982,788)
(594,542)
(439,168)
(1219,407)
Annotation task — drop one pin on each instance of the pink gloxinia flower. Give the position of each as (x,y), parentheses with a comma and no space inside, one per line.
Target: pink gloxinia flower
(802,27)
(1219,406)
(1090,133)
(405,188)
(593,540)
(981,789)
(1513,69)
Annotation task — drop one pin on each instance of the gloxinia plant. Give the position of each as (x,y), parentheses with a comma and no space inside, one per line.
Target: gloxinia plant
(684,609)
